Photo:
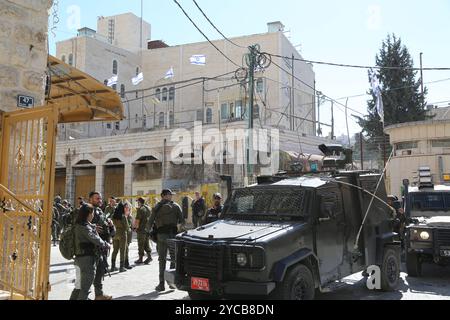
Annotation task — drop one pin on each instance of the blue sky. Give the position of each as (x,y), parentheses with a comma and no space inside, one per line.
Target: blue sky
(346,31)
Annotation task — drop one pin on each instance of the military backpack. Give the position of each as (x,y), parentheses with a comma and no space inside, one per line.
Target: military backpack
(67,242)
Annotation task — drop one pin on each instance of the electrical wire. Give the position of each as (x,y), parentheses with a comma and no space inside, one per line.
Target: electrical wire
(359,66)
(213,25)
(204,35)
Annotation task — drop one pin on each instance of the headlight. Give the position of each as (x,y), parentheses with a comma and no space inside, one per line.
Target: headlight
(424,235)
(241,259)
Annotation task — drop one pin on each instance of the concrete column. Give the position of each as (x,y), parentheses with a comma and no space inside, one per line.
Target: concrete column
(100,179)
(70,180)
(128,179)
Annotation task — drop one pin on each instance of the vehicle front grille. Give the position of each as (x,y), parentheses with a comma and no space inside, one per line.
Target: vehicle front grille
(202,260)
(443,237)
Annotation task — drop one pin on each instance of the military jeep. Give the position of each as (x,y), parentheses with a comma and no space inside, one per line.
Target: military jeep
(427,236)
(289,236)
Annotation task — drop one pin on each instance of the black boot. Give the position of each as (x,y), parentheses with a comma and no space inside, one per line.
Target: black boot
(122,269)
(127,265)
(160,287)
(139,261)
(113,266)
(74,295)
(149,258)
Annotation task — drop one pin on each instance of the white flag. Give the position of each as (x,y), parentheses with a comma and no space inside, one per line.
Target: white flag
(376,89)
(138,79)
(170,73)
(199,60)
(112,81)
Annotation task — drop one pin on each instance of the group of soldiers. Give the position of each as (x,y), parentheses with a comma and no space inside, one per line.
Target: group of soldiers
(115,225)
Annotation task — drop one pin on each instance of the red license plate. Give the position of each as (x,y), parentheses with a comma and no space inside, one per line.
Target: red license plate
(201,284)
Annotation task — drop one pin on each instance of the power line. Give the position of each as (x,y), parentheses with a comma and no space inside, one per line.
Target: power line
(204,35)
(359,66)
(212,24)
(393,89)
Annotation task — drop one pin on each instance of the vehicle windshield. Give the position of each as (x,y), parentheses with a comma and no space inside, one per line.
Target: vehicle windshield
(265,202)
(430,204)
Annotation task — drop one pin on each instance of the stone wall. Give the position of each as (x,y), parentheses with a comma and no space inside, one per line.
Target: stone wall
(23,50)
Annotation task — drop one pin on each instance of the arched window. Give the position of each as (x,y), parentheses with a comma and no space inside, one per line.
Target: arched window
(171,93)
(122,90)
(171,119)
(115,67)
(144,121)
(158,94)
(209,116)
(137,118)
(63,58)
(161,119)
(71,59)
(164,94)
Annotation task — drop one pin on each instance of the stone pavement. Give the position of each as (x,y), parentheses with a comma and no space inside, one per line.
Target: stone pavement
(135,284)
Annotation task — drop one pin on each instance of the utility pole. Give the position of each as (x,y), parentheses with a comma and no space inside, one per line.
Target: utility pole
(293,97)
(251,62)
(332,119)
(421,73)
(319,130)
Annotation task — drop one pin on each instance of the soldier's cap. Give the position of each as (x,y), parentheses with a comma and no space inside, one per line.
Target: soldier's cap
(217,196)
(58,199)
(166,192)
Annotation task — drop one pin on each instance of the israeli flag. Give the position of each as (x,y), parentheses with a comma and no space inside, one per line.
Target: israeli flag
(169,74)
(138,79)
(376,89)
(112,81)
(199,60)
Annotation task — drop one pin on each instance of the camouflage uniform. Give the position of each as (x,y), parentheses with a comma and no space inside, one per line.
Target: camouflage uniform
(166,215)
(143,215)
(120,242)
(109,211)
(129,240)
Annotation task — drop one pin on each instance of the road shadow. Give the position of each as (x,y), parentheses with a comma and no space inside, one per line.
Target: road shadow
(148,296)
(435,280)
(61,264)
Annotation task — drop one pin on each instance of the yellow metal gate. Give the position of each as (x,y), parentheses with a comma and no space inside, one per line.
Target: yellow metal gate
(27,169)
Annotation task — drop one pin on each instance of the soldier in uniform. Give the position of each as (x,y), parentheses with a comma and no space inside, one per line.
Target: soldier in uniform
(106,230)
(129,236)
(215,212)
(120,238)
(110,208)
(198,209)
(165,216)
(142,229)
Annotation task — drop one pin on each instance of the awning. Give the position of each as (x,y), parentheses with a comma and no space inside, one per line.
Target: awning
(79,97)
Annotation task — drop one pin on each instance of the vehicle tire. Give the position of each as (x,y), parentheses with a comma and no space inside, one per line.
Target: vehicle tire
(194,295)
(413,264)
(390,269)
(298,284)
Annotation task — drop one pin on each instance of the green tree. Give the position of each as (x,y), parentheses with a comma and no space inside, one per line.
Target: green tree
(402,99)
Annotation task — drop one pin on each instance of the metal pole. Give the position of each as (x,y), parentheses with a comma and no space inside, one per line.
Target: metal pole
(421,74)
(332,120)
(319,130)
(293,96)
(252,58)
(361,148)
(203,100)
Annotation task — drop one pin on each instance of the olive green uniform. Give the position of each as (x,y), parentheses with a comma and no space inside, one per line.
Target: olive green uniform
(129,239)
(166,215)
(109,211)
(143,215)
(120,240)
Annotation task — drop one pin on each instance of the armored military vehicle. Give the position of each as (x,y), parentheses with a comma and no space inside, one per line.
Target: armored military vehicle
(288,236)
(427,209)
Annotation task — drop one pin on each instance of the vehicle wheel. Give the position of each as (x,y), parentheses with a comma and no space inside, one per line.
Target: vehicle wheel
(194,295)
(390,270)
(413,264)
(298,284)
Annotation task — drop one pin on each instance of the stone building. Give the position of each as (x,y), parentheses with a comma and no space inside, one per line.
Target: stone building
(130,157)
(23,52)
(417,144)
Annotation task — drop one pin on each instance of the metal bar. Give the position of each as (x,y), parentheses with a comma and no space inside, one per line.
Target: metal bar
(12,195)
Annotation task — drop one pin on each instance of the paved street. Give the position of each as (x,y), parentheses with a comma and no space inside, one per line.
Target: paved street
(139,284)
